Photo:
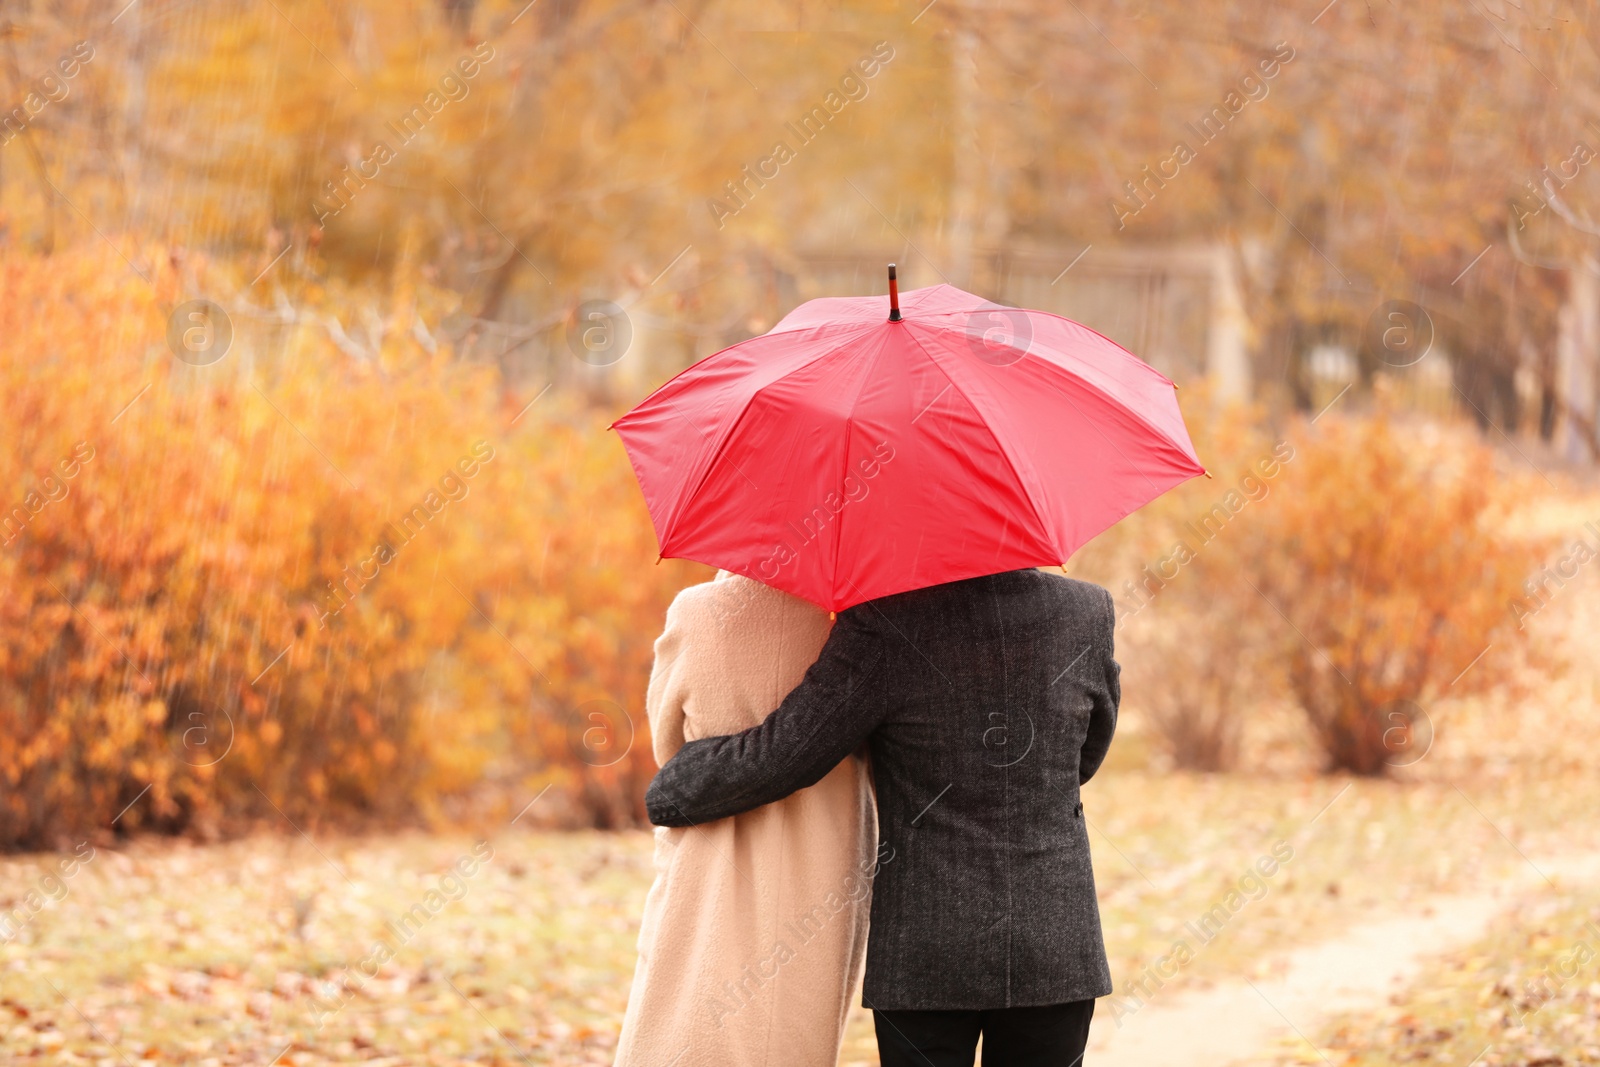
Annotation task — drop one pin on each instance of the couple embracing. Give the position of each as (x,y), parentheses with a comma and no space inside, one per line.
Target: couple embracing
(977,709)
(886,801)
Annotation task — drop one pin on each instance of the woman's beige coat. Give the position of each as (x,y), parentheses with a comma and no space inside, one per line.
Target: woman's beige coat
(755,931)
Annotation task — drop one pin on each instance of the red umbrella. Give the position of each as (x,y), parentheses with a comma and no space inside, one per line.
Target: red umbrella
(853,452)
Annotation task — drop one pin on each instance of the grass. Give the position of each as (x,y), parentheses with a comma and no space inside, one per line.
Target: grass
(170,952)
(229,954)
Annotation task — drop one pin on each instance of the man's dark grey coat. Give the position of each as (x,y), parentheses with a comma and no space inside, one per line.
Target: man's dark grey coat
(987,703)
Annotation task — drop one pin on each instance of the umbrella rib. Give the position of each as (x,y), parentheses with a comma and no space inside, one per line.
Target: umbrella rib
(727,438)
(850,429)
(658,390)
(1027,354)
(1005,454)
(1119,405)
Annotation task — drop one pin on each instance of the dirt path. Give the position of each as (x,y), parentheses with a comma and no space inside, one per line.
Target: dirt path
(1237,1019)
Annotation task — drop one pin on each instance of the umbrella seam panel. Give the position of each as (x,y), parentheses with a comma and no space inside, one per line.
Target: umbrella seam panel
(1005,453)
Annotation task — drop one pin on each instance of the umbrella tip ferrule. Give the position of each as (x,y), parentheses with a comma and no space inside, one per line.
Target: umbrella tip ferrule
(1205,472)
(894,296)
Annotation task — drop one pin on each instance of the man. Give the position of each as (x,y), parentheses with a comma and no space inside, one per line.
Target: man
(987,703)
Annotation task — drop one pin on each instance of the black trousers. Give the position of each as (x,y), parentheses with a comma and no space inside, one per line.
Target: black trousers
(1050,1036)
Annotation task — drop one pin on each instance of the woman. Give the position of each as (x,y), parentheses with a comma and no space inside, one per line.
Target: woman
(755,930)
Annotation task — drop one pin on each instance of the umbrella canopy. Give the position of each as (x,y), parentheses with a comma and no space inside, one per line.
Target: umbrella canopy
(846,455)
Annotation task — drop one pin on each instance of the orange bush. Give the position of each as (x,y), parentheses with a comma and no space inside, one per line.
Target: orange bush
(1389,563)
(1355,567)
(270,590)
